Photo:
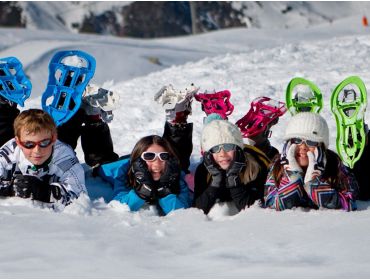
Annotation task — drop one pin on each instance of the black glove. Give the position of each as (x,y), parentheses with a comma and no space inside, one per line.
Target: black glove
(218,174)
(232,174)
(170,179)
(27,186)
(144,186)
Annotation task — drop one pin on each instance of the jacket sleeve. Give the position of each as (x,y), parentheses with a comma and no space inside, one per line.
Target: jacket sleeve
(288,194)
(180,138)
(204,196)
(72,175)
(172,202)
(125,193)
(325,195)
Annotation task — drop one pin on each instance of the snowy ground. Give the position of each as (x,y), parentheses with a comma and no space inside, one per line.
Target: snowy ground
(93,238)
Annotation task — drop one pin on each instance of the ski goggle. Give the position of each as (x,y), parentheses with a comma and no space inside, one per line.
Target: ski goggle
(151,156)
(300,141)
(225,147)
(42,144)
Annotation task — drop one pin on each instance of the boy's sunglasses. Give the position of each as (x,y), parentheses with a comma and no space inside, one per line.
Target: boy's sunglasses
(31,144)
(225,147)
(300,141)
(151,156)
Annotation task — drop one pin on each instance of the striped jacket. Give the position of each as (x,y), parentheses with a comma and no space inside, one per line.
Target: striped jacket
(292,192)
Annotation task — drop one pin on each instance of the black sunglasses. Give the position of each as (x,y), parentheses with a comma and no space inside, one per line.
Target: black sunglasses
(225,147)
(31,144)
(300,141)
(151,156)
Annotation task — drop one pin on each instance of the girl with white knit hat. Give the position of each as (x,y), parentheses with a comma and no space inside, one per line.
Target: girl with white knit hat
(227,172)
(308,174)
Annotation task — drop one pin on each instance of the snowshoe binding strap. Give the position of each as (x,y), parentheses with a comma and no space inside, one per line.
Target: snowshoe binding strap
(217,102)
(263,113)
(348,104)
(69,74)
(303,96)
(14,84)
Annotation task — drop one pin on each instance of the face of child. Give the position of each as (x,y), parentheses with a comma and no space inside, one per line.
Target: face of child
(301,154)
(37,155)
(224,159)
(157,166)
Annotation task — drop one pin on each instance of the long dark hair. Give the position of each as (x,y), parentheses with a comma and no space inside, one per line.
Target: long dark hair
(142,145)
(331,173)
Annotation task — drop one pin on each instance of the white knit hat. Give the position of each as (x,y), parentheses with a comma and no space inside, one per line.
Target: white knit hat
(220,132)
(309,126)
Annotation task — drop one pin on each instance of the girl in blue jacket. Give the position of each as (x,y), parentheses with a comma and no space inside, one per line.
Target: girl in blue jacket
(152,175)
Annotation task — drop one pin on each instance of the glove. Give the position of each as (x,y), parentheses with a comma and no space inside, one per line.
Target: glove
(316,164)
(292,164)
(218,175)
(27,186)
(144,180)
(169,181)
(232,174)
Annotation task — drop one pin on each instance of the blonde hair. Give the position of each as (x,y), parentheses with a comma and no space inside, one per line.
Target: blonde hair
(251,171)
(34,121)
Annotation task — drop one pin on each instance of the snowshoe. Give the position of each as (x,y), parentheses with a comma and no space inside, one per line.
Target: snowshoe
(303,96)
(217,102)
(69,74)
(264,112)
(100,101)
(348,104)
(176,103)
(14,84)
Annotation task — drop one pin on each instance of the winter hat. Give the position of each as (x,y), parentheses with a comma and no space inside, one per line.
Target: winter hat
(309,126)
(211,117)
(220,132)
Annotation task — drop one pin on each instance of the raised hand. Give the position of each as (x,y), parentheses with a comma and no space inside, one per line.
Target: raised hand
(292,163)
(316,164)
(144,186)
(236,167)
(218,174)
(170,179)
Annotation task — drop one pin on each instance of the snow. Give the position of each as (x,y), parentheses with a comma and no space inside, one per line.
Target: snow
(95,238)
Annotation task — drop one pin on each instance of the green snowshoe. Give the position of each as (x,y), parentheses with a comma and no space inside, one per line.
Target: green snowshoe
(303,96)
(348,104)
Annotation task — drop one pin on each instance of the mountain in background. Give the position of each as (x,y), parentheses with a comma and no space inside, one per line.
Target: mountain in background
(171,18)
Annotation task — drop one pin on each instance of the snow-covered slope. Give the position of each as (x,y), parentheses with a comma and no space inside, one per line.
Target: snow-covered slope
(93,238)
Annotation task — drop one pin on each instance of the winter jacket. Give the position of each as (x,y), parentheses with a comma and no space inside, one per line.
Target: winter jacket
(125,193)
(63,170)
(360,171)
(292,192)
(205,196)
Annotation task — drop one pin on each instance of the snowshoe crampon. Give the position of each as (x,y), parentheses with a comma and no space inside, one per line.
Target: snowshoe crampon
(348,104)
(69,74)
(14,84)
(303,96)
(217,102)
(264,112)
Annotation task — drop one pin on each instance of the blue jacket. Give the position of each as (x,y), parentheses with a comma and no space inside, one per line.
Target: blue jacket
(116,173)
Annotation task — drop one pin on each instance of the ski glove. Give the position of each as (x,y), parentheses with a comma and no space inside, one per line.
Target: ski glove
(218,175)
(316,164)
(28,186)
(170,179)
(236,167)
(292,164)
(144,180)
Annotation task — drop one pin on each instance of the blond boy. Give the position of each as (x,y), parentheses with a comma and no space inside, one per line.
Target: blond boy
(36,165)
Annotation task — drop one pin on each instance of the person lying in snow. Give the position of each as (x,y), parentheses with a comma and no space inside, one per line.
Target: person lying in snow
(36,165)
(230,170)
(154,172)
(308,174)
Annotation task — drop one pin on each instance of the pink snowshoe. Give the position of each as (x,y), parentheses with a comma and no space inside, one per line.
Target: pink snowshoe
(263,112)
(218,102)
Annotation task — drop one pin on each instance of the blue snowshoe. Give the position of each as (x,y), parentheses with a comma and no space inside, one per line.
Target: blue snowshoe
(69,74)
(14,84)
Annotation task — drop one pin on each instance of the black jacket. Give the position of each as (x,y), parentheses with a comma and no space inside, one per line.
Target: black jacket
(244,195)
